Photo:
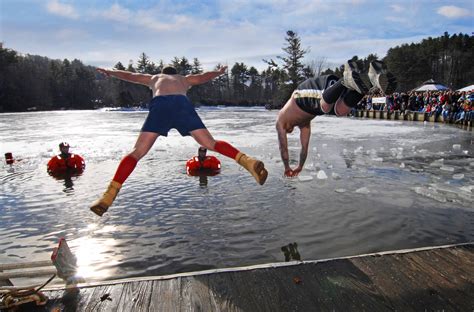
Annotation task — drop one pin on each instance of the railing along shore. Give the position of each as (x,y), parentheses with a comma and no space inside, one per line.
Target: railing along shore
(411,116)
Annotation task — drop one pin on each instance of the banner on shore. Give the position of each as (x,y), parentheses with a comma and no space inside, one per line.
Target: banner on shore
(378,100)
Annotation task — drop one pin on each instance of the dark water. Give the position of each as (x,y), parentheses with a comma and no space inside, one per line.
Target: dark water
(390,185)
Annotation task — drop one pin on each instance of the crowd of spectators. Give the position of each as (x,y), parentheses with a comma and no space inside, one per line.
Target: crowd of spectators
(453,106)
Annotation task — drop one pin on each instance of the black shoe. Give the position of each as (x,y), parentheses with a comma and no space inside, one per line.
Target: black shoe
(352,78)
(381,78)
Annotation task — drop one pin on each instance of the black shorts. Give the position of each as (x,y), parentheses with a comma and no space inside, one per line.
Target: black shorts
(309,93)
(172,111)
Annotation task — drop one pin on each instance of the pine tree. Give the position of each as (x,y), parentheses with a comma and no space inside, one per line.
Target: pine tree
(143,63)
(292,62)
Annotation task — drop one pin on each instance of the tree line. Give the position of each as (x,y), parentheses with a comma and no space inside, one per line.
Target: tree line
(31,82)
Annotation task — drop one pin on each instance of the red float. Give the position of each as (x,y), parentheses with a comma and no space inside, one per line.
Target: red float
(209,166)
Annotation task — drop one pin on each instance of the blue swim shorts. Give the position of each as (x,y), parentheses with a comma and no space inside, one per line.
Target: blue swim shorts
(172,111)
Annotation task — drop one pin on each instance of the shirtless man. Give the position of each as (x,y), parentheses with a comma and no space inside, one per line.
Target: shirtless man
(325,95)
(170,108)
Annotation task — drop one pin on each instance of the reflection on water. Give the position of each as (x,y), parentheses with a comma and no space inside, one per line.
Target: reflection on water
(66,178)
(291,252)
(369,185)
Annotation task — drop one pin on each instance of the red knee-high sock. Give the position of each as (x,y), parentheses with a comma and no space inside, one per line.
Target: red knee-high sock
(226,149)
(124,169)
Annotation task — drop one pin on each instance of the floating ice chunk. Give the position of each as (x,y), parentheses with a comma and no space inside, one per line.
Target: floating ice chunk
(335,176)
(305,178)
(465,152)
(456,147)
(402,165)
(324,145)
(430,193)
(363,190)
(380,159)
(467,188)
(466,196)
(340,190)
(458,176)
(314,149)
(447,168)
(437,163)
(321,175)
(330,166)
(413,169)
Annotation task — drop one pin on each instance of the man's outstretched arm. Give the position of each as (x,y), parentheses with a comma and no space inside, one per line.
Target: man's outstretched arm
(205,77)
(305,134)
(282,139)
(143,79)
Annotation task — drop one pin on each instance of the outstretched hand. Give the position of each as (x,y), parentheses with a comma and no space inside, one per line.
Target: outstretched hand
(292,173)
(288,173)
(103,71)
(222,69)
(297,171)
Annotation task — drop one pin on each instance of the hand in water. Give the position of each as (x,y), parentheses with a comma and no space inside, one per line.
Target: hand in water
(297,171)
(292,173)
(288,173)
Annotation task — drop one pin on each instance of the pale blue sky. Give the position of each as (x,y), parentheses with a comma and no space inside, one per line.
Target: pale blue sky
(101,33)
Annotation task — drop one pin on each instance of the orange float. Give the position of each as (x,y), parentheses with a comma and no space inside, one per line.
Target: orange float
(59,165)
(209,166)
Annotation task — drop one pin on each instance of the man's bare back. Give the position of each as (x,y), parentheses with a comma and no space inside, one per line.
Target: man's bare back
(163,84)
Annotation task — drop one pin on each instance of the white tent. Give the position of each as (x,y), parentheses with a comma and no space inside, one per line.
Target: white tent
(431,85)
(467,89)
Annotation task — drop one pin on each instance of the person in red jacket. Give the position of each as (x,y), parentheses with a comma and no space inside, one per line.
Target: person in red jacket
(65,162)
(203,164)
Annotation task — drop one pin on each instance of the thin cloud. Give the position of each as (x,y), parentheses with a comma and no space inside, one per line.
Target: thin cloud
(149,19)
(451,11)
(396,8)
(65,10)
(117,13)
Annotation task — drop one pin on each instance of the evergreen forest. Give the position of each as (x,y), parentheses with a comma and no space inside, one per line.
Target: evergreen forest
(32,82)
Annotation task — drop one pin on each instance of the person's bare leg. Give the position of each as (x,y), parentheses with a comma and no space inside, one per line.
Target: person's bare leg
(255,167)
(204,138)
(341,108)
(325,107)
(144,143)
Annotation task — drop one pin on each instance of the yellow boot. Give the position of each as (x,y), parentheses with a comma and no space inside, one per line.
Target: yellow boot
(101,205)
(255,167)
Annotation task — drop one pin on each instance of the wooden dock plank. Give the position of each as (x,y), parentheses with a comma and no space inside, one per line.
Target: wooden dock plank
(135,296)
(105,298)
(438,279)
(166,295)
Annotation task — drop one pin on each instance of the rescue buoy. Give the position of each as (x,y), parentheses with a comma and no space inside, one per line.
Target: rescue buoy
(73,164)
(9,158)
(209,166)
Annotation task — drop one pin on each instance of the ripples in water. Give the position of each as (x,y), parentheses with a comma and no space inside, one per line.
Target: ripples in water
(165,222)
